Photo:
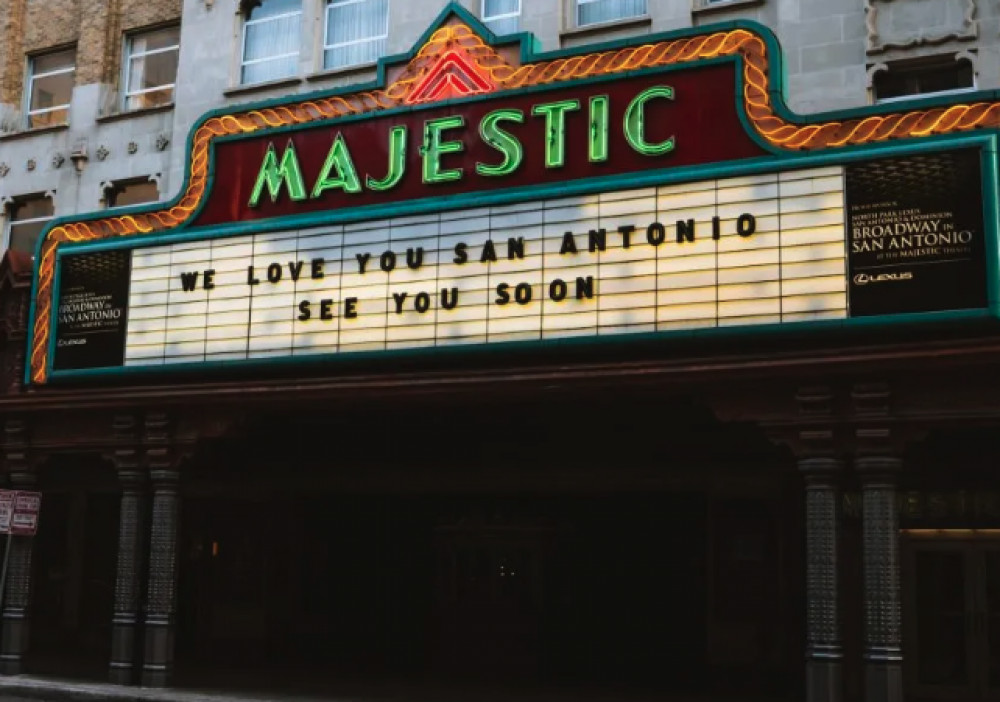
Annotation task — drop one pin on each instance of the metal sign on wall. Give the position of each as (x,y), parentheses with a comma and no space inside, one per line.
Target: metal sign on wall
(480,196)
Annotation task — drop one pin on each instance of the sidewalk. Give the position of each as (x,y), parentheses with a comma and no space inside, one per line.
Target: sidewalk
(35,688)
(25,687)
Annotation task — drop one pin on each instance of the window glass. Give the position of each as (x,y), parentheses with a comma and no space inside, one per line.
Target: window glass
(596,11)
(50,87)
(28,218)
(134,192)
(271,38)
(356,31)
(151,68)
(940,75)
(502,16)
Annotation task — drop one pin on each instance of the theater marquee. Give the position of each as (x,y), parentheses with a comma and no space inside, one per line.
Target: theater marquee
(484,196)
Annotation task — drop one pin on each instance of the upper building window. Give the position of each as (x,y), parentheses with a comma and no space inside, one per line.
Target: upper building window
(502,16)
(50,87)
(27,218)
(931,76)
(356,31)
(271,39)
(131,192)
(151,68)
(597,11)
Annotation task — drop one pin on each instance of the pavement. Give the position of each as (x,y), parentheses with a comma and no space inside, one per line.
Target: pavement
(25,688)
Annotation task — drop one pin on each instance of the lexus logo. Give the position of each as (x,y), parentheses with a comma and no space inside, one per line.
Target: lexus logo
(865,278)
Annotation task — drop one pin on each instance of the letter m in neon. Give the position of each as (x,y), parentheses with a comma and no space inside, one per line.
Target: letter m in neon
(273,174)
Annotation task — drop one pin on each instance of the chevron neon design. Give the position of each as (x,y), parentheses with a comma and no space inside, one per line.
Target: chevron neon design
(454,75)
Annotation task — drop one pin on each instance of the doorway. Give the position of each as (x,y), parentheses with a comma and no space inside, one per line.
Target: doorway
(951,601)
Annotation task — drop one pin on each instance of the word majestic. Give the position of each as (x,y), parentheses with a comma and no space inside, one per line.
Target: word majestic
(443,135)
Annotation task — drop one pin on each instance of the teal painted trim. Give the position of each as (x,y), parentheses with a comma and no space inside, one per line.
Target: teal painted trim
(650,178)
(991,221)
(719,333)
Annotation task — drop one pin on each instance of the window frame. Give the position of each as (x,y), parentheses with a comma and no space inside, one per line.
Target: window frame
(116,187)
(580,25)
(127,70)
(247,22)
(9,221)
(956,60)
(30,79)
(327,5)
(486,20)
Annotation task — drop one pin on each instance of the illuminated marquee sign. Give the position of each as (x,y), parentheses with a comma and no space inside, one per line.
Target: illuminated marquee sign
(476,196)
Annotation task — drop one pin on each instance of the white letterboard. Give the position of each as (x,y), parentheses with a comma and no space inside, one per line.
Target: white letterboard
(791,268)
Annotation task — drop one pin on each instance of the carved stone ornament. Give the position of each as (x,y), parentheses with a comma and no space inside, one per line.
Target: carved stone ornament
(30,165)
(162,142)
(4,170)
(102,152)
(132,147)
(902,24)
(58,160)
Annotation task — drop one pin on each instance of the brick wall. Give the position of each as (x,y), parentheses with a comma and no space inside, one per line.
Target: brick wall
(95,26)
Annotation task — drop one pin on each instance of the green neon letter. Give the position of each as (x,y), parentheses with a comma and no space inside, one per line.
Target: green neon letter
(635,129)
(434,148)
(338,160)
(273,175)
(555,129)
(598,129)
(397,161)
(504,142)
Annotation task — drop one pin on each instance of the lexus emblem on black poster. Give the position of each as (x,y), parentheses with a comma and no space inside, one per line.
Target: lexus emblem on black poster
(915,234)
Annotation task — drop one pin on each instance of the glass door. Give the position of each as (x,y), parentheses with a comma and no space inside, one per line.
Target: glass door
(939,621)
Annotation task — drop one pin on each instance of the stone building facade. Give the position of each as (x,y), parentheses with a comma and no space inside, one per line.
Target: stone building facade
(832,53)
(691,517)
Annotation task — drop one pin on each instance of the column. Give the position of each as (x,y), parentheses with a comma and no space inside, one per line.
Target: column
(161,592)
(15,628)
(128,580)
(883,618)
(823,644)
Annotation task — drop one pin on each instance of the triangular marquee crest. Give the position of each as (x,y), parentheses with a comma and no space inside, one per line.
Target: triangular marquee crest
(454,75)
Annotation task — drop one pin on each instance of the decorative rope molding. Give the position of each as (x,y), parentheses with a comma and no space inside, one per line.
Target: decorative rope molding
(744,43)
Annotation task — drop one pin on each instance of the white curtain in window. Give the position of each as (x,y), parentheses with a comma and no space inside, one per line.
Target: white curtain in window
(501,16)
(355,31)
(271,38)
(594,11)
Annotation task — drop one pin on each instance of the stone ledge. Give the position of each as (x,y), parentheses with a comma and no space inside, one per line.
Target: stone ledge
(702,7)
(27,133)
(588,29)
(129,114)
(251,88)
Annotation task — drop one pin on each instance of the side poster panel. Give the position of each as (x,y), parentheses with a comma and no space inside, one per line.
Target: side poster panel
(92,311)
(915,234)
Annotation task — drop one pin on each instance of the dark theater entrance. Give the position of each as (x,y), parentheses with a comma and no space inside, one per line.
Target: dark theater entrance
(412,571)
